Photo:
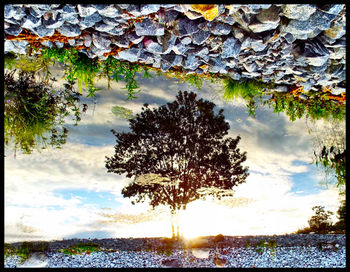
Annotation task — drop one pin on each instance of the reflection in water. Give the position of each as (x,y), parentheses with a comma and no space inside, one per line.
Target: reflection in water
(34,112)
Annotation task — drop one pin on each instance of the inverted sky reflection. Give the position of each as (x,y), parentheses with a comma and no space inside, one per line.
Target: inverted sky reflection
(68,193)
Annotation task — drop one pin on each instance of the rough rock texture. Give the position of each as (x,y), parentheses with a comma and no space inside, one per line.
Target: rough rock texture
(280,43)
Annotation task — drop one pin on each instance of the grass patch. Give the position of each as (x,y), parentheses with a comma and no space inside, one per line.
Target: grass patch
(25,249)
(81,248)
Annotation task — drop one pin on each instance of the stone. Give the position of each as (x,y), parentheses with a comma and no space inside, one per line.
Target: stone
(243,19)
(220,28)
(336,31)
(171,262)
(152,46)
(101,42)
(251,67)
(70,18)
(116,31)
(149,28)
(216,65)
(226,19)
(71,42)
(298,28)
(258,27)
(109,11)
(8,46)
(257,45)
(231,48)
(130,54)
(186,27)
(200,37)
(315,52)
(43,31)
(289,38)
(99,52)
(280,89)
(169,16)
(53,23)
(19,14)
(102,27)
(90,20)
(186,40)
(167,41)
(201,253)
(332,9)
(20,47)
(69,9)
(13,30)
(269,16)
(300,12)
(170,60)
(59,44)
(122,41)
(201,52)
(321,20)
(179,48)
(148,9)
(134,38)
(86,10)
(191,62)
(69,30)
(47,44)
(30,22)
(9,11)
(87,40)
(35,11)
(146,57)
(337,53)
(214,43)
(132,9)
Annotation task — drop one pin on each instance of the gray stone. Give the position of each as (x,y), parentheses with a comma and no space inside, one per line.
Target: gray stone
(186,27)
(38,10)
(216,65)
(179,48)
(86,10)
(132,9)
(109,11)
(170,60)
(270,15)
(13,30)
(90,20)
(59,44)
(171,263)
(20,47)
(215,43)
(257,45)
(314,33)
(43,31)
(186,40)
(149,28)
(289,38)
(101,42)
(53,23)
(321,20)
(69,9)
(336,31)
(235,75)
(167,41)
(134,38)
(19,13)
(298,28)
(71,42)
(8,46)
(231,48)
(315,52)
(201,52)
(251,67)
(337,71)
(87,40)
(332,9)
(9,11)
(191,62)
(99,52)
(258,27)
(130,54)
(47,44)
(220,28)
(243,19)
(300,12)
(169,16)
(152,46)
(281,89)
(69,30)
(200,37)
(102,27)
(70,18)
(145,57)
(122,41)
(117,31)
(148,9)
(337,53)
(226,19)
(31,22)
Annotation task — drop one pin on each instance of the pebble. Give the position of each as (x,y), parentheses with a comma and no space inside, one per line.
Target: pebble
(280,257)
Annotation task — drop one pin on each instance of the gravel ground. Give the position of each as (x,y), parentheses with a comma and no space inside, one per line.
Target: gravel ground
(312,251)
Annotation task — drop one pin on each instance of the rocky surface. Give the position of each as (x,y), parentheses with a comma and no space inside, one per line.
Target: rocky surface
(305,251)
(299,44)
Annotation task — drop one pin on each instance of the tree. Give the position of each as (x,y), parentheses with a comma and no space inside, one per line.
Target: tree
(340,225)
(177,154)
(319,222)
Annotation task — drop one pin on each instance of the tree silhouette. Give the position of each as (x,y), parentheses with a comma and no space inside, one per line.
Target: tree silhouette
(177,154)
(320,222)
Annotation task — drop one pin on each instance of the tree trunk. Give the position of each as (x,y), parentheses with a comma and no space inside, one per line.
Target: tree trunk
(175,223)
(172,225)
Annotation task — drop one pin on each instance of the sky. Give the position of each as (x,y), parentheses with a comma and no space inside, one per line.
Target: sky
(67,193)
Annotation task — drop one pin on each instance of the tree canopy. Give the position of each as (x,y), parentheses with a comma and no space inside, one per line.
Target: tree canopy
(178,153)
